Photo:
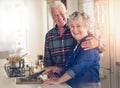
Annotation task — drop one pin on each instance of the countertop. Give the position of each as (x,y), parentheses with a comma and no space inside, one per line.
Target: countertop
(43,86)
(6,82)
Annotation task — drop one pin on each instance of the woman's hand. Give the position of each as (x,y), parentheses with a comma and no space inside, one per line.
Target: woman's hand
(65,77)
(51,82)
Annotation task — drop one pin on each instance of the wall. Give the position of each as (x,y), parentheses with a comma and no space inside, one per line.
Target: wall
(114,40)
(36,28)
(72,6)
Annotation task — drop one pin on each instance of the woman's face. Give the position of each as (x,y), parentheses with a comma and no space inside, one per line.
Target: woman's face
(59,16)
(78,29)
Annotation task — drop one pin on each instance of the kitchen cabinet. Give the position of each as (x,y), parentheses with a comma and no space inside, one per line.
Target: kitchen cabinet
(118,74)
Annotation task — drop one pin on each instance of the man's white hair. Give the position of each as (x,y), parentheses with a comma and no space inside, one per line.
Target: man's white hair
(57,4)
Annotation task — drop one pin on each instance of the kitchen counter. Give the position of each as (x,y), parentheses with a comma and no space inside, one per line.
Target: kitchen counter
(38,83)
(43,86)
(6,82)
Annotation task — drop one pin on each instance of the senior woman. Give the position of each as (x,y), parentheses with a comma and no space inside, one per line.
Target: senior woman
(82,66)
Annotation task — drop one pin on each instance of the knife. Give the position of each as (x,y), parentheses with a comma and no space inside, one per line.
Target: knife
(35,75)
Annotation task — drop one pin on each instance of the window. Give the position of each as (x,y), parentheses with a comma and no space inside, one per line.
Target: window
(13,26)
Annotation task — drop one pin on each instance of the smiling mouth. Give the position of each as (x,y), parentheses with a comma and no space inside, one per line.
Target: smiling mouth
(76,33)
(61,21)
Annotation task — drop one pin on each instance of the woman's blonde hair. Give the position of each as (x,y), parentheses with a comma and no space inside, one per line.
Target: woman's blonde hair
(83,17)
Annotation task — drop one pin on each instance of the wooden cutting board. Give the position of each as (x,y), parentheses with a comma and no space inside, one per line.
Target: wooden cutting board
(20,81)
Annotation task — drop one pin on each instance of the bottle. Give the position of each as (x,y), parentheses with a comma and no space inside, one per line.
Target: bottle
(40,60)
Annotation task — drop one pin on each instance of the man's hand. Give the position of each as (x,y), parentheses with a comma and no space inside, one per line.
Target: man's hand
(51,68)
(47,70)
(90,43)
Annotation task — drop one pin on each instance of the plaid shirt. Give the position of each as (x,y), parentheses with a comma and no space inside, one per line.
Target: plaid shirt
(57,48)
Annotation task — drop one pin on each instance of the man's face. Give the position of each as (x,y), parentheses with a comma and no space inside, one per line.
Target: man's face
(59,16)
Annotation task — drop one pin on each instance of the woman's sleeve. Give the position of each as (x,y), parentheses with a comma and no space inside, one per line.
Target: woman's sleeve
(83,62)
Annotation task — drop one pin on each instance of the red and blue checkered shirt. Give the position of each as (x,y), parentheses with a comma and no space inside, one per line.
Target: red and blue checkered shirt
(57,48)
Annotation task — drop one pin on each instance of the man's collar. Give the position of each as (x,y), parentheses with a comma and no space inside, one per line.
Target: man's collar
(66,27)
